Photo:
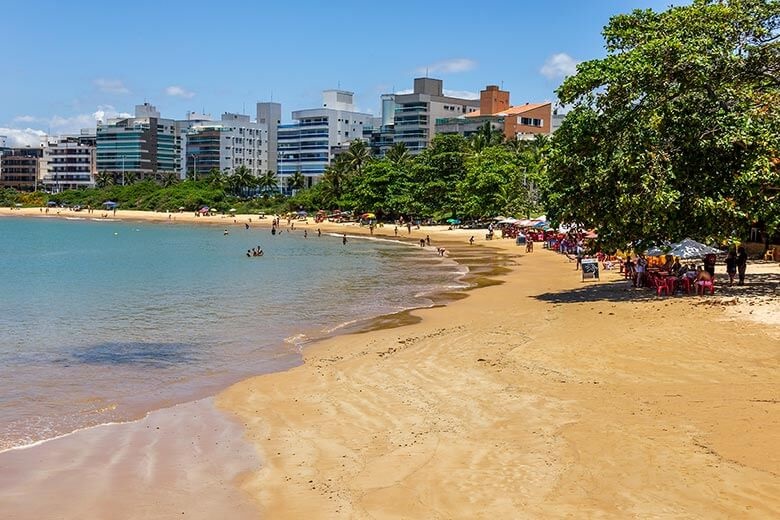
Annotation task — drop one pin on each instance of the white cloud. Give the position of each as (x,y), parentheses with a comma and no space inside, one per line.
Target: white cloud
(464,94)
(112,86)
(58,125)
(175,90)
(21,137)
(448,66)
(559,66)
(405,91)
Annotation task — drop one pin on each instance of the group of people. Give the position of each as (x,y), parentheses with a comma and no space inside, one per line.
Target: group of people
(736,265)
(254,252)
(736,262)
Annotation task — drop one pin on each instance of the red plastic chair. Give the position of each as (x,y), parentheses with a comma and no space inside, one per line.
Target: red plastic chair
(660,285)
(702,285)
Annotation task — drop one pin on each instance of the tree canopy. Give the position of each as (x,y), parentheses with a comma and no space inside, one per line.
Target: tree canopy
(676,131)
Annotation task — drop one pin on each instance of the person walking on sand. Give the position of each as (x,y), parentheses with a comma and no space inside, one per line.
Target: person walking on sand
(396,231)
(731,266)
(471,240)
(428,239)
(741,264)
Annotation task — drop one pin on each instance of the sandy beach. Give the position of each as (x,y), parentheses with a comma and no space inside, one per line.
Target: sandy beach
(536,396)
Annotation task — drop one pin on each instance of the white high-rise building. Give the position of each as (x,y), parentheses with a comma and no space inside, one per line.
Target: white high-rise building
(226,144)
(70,162)
(311,143)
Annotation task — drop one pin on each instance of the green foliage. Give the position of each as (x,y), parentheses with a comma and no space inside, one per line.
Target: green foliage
(673,134)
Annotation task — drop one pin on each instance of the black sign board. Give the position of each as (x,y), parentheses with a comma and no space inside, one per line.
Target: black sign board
(590,268)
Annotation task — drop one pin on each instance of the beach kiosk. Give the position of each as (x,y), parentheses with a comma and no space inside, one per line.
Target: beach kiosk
(590,269)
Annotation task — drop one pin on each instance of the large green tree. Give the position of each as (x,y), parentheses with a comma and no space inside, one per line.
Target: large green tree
(674,132)
(435,175)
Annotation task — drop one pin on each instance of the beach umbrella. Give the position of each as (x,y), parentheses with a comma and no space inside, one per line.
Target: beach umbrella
(452,221)
(301,213)
(110,203)
(500,217)
(204,209)
(508,220)
(51,203)
(232,210)
(182,208)
(213,209)
(367,216)
(688,248)
(540,225)
(657,251)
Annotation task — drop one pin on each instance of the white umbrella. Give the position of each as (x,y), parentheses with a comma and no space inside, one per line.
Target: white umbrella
(509,220)
(688,248)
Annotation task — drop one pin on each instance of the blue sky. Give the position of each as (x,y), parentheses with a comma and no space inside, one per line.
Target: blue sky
(67,63)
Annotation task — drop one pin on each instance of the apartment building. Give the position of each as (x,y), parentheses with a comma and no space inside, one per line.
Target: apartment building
(516,122)
(269,114)
(226,144)
(318,135)
(20,168)
(146,145)
(415,114)
(70,162)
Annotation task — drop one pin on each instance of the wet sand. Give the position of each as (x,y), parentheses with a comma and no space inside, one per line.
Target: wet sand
(181,462)
(537,396)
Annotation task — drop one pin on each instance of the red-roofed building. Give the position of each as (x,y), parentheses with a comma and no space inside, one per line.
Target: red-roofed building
(520,121)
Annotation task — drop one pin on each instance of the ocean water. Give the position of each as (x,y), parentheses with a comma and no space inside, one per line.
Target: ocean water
(103,321)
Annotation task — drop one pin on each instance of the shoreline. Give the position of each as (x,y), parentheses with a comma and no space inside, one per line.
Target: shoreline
(435,430)
(28,462)
(395,318)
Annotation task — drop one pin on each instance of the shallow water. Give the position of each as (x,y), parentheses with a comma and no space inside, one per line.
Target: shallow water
(104,321)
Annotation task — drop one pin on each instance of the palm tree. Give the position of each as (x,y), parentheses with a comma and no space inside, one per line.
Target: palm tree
(335,177)
(217,179)
(168,179)
(486,136)
(398,155)
(104,179)
(242,180)
(357,155)
(129,178)
(268,182)
(296,181)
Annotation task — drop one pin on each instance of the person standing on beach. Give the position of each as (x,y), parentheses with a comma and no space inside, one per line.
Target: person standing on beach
(428,239)
(731,266)
(344,239)
(741,264)
(396,231)
(319,233)
(409,228)
(471,240)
